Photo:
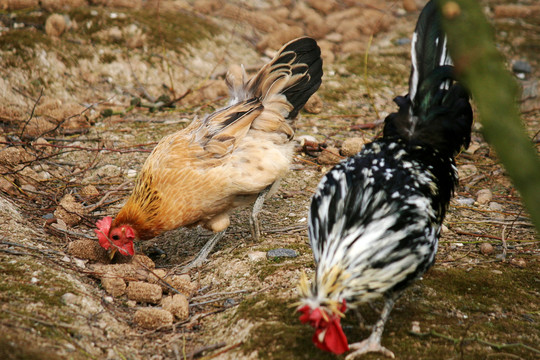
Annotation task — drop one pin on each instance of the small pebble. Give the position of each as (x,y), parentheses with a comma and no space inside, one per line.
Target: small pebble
(519,263)
(403,41)
(415,327)
(465,201)
(495,206)
(521,66)
(281,253)
(486,248)
(484,196)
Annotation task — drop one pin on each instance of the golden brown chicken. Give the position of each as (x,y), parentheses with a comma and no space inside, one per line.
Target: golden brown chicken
(233,157)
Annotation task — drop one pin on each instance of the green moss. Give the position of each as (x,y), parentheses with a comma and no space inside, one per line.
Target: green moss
(279,334)
(464,308)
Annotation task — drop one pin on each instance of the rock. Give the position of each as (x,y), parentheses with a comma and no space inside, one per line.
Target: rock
(314,105)
(403,41)
(256,256)
(352,146)
(465,201)
(183,284)
(114,286)
(88,249)
(329,156)
(177,305)
(19,4)
(484,196)
(323,6)
(276,39)
(56,5)
(55,25)
(515,11)
(495,206)
(409,5)
(150,318)
(466,170)
(281,253)
(315,25)
(144,292)
(207,6)
(415,327)
(12,155)
(486,248)
(519,263)
(89,191)
(69,210)
(42,145)
(109,171)
(353,47)
(521,66)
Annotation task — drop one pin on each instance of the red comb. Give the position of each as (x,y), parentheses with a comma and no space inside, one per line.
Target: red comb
(102,232)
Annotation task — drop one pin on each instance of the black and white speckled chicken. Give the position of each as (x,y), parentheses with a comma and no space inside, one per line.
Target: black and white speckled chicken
(375,218)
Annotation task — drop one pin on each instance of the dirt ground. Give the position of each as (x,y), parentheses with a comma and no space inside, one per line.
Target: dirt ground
(87,93)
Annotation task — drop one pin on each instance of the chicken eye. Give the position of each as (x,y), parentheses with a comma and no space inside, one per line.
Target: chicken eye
(116,237)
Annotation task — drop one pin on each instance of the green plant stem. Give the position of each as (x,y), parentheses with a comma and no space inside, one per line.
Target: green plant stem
(481,68)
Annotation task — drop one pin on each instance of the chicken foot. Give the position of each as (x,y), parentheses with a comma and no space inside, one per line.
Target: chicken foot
(205,251)
(373,342)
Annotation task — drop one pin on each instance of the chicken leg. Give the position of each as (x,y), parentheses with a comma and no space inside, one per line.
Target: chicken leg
(373,342)
(205,251)
(254,218)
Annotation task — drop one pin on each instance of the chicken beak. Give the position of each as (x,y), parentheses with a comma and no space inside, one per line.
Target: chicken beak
(111,253)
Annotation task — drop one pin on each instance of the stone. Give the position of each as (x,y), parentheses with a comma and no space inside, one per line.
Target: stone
(409,5)
(484,196)
(486,248)
(144,292)
(55,25)
(177,305)
(151,318)
(521,66)
(281,253)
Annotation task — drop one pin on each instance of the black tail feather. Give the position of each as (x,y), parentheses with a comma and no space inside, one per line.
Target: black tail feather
(436,112)
(307,52)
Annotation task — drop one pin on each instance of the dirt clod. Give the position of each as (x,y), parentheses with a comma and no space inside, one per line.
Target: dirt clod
(151,318)
(88,249)
(144,292)
(329,156)
(352,146)
(114,286)
(69,210)
(177,305)
(183,284)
